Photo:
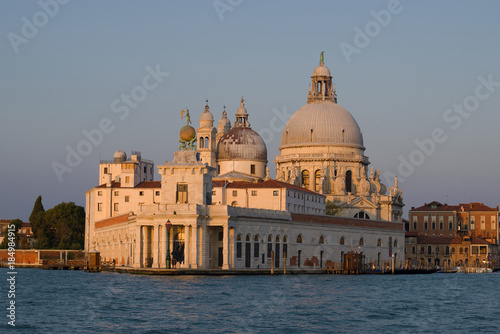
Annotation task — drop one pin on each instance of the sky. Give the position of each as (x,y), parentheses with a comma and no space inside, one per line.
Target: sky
(82,79)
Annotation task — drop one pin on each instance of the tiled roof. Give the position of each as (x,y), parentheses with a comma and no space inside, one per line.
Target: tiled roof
(112,221)
(476,207)
(446,207)
(298,217)
(264,184)
(439,207)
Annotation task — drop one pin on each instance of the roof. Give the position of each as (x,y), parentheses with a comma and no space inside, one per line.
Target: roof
(112,221)
(144,184)
(445,207)
(438,207)
(269,184)
(334,220)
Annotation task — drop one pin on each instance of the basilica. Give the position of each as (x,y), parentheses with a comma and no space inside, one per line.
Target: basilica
(216,205)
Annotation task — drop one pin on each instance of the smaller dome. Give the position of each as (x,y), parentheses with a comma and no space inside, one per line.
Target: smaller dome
(224,121)
(206,118)
(242,143)
(321,70)
(119,156)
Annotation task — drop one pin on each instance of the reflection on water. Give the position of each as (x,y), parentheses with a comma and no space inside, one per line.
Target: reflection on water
(75,301)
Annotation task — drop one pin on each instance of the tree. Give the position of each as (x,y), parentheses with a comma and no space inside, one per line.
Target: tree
(36,217)
(332,209)
(65,223)
(17,227)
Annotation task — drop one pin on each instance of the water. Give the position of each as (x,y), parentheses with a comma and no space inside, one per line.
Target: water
(79,302)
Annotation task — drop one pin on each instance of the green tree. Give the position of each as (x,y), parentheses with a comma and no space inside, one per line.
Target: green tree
(66,222)
(36,217)
(332,209)
(5,243)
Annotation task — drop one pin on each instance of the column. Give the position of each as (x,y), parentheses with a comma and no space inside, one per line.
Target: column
(203,247)
(156,246)
(225,250)
(187,248)
(194,247)
(146,246)
(138,247)
(163,247)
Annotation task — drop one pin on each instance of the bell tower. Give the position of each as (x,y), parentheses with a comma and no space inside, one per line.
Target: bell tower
(207,145)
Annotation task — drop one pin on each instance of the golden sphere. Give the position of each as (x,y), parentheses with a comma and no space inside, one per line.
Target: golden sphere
(187,133)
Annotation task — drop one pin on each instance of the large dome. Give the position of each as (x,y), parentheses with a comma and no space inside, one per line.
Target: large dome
(242,143)
(322,123)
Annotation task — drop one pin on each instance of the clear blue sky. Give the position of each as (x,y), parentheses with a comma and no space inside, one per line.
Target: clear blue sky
(398,85)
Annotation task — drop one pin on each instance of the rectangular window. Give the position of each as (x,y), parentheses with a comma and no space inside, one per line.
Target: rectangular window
(105,170)
(157,193)
(145,170)
(115,207)
(441,225)
(425,225)
(483,223)
(252,169)
(450,225)
(127,179)
(99,193)
(214,193)
(116,193)
(127,198)
(99,206)
(141,193)
(493,225)
(182,193)
(235,193)
(254,192)
(269,249)
(433,225)
(275,192)
(256,250)
(474,250)
(414,225)
(285,250)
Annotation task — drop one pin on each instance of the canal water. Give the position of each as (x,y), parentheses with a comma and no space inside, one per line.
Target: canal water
(79,302)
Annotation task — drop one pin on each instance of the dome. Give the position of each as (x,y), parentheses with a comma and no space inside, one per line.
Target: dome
(206,118)
(224,121)
(321,70)
(119,156)
(242,143)
(322,123)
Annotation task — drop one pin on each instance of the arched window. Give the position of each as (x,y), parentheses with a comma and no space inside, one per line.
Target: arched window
(342,241)
(437,250)
(247,238)
(238,246)
(317,176)
(269,245)
(379,242)
(362,215)
(305,179)
(348,181)
(256,245)
(285,247)
(321,240)
(202,142)
(277,238)
(234,203)
(429,250)
(299,239)
(206,142)
(396,243)
(461,250)
(361,242)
